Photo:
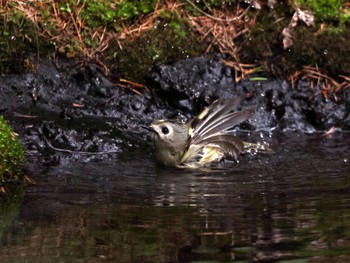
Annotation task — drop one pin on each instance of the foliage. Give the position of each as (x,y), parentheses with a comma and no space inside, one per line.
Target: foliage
(96,13)
(12,156)
(77,29)
(328,10)
(138,33)
(19,39)
(169,41)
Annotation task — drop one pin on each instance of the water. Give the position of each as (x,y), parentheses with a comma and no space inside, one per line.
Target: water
(292,206)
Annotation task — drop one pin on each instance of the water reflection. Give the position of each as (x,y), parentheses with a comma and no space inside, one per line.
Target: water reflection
(293,205)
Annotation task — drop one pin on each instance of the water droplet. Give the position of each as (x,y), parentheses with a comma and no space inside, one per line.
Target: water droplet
(345,160)
(325,52)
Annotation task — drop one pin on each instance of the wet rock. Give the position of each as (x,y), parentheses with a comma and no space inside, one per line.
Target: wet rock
(191,84)
(58,110)
(77,109)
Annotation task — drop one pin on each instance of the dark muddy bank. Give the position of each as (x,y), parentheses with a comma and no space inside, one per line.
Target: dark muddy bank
(65,108)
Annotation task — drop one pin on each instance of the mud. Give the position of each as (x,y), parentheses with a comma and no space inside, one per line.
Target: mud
(65,108)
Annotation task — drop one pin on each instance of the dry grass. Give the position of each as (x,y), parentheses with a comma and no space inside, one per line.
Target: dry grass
(329,86)
(220,29)
(69,32)
(150,21)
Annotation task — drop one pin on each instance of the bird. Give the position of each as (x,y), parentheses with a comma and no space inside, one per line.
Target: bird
(206,139)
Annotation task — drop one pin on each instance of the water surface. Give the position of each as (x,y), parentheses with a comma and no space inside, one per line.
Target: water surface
(292,206)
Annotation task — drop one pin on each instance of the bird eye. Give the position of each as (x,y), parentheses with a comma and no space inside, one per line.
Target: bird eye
(165,130)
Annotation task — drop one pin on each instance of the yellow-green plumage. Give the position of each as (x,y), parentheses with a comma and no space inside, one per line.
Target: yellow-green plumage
(203,140)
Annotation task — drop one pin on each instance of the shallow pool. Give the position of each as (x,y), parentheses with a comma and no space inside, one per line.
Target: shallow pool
(291,206)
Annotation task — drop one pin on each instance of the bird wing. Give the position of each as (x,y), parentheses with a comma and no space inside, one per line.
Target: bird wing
(219,117)
(211,129)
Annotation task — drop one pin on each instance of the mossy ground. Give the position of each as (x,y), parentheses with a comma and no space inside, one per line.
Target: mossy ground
(162,44)
(135,35)
(12,159)
(323,46)
(20,40)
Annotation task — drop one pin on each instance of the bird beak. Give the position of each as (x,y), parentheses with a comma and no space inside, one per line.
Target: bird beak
(148,128)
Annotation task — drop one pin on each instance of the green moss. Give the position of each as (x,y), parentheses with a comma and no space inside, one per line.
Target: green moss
(97,13)
(327,10)
(12,157)
(83,28)
(327,48)
(19,39)
(264,43)
(171,40)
